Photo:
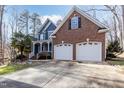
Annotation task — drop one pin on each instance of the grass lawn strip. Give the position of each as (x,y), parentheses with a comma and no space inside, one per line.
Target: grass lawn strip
(12,68)
(118,62)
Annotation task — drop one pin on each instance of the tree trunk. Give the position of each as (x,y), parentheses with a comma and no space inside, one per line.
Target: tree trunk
(115,29)
(123,25)
(1,41)
(21,54)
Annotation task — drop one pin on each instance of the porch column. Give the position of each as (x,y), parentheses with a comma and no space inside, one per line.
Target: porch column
(40,47)
(48,46)
(33,47)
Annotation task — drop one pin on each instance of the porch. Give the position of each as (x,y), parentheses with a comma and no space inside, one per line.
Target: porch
(41,47)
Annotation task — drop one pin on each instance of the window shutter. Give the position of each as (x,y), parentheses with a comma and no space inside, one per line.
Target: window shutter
(38,36)
(79,22)
(69,24)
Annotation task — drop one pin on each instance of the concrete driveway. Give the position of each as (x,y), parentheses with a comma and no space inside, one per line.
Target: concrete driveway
(64,75)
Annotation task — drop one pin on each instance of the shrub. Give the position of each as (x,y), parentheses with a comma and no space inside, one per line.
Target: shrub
(113,47)
(19,57)
(45,55)
(110,55)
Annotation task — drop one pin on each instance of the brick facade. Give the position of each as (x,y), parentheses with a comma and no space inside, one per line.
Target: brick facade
(88,30)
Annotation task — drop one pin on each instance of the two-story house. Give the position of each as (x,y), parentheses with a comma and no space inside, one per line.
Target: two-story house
(78,37)
(43,44)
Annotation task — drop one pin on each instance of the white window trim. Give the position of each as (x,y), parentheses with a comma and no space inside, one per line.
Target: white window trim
(75,22)
(50,31)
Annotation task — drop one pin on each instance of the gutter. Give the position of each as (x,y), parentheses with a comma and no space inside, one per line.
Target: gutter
(103,30)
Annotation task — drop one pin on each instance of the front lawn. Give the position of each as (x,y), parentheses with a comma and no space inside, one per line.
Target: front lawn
(116,62)
(13,67)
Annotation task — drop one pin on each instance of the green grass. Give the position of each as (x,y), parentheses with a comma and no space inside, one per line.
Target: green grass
(12,68)
(117,62)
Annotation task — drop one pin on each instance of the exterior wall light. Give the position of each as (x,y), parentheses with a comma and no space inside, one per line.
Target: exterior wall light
(62,42)
(87,40)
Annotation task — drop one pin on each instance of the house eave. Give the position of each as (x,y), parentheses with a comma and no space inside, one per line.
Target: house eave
(98,23)
(103,30)
(45,23)
(52,36)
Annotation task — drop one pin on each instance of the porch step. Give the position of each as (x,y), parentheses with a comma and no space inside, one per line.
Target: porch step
(44,55)
(33,57)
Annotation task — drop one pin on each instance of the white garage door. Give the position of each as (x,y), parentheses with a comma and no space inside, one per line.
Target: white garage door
(63,51)
(91,51)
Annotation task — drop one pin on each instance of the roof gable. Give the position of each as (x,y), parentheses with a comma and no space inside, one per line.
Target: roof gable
(51,27)
(46,25)
(74,8)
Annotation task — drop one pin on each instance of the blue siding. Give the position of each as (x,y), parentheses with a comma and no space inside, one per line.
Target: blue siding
(44,27)
(51,27)
(39,36)
(45,36)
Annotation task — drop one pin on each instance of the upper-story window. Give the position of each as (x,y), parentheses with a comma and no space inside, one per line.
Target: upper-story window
(75,22)
(49,33)
(41,36)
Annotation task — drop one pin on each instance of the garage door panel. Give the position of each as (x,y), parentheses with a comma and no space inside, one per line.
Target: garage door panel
(90,52)
(63,51)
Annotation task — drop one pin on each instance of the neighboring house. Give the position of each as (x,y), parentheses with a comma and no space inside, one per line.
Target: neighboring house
(43,44)
(79,37)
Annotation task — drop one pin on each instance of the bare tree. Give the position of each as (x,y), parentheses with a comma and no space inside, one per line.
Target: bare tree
(117,17)
(1,20)
(13,24)
(23,21)
(58,22)
(1,42)
(123,24)
(35,23)
(117,13)
(13,20)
